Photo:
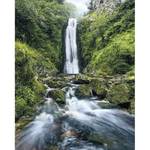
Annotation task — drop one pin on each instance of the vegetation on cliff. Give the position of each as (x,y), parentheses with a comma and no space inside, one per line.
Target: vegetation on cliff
(107,40)
(107,49)
(39,27)
(106,43)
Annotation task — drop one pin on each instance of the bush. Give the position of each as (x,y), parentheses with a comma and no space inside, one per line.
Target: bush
(107,40)
(40,24)
(26,100)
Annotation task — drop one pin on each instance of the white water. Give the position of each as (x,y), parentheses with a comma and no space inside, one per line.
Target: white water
(75,123)
(71,63)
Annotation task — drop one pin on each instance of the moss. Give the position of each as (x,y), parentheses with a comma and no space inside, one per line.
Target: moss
(118,93)
(40,24)
(57,95)
(99,86)
(27,99)
(56,83)
(29,86)
(22,123)
(117,57)
(107,41)
(83,91)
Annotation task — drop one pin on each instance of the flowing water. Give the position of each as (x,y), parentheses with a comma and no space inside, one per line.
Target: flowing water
(71,62)
(81,124)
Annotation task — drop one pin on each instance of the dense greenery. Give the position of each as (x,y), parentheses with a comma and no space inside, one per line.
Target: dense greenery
(40,24)
(39,27)
(107,50)
(106,46)
(107,40)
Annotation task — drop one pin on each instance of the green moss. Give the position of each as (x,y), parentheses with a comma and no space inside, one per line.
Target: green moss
(58,96)
(29,72)
(22,123)
(26,99)
(83,91)
(40,24)
(99,86)
(107,41)
(118,93)
(55,83)
(117,57)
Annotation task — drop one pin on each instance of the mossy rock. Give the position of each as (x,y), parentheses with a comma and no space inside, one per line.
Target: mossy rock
(118,93)
(51,147)
(132,108)
(99,88)
(20,124)
(83,91)
(58,95)
(56,84)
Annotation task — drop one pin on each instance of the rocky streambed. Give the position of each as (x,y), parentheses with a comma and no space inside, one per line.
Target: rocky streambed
(81,112)
(117,91)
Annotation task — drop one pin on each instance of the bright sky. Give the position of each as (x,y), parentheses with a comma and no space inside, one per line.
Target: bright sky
(82,5)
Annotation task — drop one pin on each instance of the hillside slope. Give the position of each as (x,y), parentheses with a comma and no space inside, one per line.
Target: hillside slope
(107,40)
(39,27)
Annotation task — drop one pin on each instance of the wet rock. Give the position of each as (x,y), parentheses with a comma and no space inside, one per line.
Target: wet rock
(101,95)
(117,133)
(53,148)
(125,105)
(83,91)
(118,93)
(58,95)
(99,88)
(21,123)
(106,105)
(70,133)
(81,81)
(55,83)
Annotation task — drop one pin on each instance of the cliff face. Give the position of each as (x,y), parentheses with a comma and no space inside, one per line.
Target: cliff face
(107,40)
(105,5)
(107,48)
(39,26)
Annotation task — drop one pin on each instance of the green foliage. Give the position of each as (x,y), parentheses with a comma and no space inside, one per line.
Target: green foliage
(30,67)
(25,101)
(117,57)
(107,40)
(31,63)
(118,93)
(40,24)
(58,96)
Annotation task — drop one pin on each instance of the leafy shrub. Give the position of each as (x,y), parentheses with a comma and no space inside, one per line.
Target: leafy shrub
(107,40)
(25,101)
(40,25)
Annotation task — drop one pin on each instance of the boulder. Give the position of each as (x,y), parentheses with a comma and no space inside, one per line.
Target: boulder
(81,81)
(118,93)
(83,91)
(58,95)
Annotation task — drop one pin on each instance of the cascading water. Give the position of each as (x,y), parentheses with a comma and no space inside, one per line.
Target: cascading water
(81,124)
(71,62)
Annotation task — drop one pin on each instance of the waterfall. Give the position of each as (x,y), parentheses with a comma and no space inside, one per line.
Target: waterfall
(71,62)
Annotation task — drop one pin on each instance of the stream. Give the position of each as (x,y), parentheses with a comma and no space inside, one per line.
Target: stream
(81,124)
